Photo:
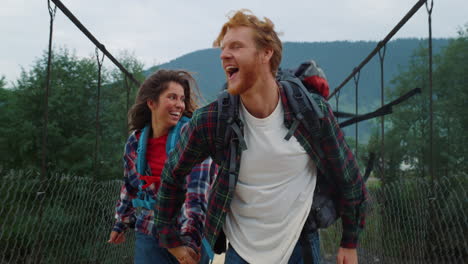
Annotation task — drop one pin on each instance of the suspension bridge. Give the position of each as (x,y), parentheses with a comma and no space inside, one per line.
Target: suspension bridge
(49,217)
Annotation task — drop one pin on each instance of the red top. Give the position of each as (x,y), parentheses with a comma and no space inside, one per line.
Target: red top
(156,157)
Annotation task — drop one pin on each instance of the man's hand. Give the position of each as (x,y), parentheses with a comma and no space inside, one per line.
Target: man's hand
(346,256)
(185,255)
(116,237)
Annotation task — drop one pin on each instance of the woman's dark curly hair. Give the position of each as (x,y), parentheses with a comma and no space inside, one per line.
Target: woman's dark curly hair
(139,114)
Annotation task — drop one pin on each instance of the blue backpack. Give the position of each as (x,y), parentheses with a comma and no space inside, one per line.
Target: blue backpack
(144,200)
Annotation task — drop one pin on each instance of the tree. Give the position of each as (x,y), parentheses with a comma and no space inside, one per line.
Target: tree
(5,119)
(117,96)
(407,132)
(72,115)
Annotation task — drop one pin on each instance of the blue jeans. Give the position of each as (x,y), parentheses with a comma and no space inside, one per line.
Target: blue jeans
(148,251)
(296,258)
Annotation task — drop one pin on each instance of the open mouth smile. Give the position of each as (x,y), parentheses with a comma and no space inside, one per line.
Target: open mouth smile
(231,71)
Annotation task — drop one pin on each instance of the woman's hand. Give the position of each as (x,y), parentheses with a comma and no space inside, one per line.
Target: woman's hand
(185,255)
(116,237)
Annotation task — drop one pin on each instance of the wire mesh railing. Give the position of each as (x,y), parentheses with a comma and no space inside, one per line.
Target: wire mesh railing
(411,221)
(59,220)
(67,219)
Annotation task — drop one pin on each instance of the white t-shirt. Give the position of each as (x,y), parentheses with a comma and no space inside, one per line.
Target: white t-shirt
(274,191)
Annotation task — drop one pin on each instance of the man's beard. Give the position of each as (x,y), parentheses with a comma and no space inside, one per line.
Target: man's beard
(247,80)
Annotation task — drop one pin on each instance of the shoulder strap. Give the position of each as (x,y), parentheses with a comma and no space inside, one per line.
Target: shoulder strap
(174,134)
(142,200)
(305,108)
(229,130)
(228,121)
(172,138)
(141,150)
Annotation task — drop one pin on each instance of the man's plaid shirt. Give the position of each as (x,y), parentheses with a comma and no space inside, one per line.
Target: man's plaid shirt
(190,219)
(338,163)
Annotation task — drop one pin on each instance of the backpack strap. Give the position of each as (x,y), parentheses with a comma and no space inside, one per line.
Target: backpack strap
(228,130)
(228,120)
(306,110)
(141,150)
(142,199)
(174,134)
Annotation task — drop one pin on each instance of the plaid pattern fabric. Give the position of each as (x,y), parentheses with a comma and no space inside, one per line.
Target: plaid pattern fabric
(190,219)
(199,142)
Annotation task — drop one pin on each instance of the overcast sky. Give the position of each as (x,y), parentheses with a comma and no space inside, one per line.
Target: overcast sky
(157,31)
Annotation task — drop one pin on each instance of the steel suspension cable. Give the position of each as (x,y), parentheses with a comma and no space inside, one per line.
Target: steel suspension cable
(88,34)
(431,113)
(432,196)
(98,124)
(382,103)
(400,24)
(337,99)
(37,251)
(356,93)
(127,88)
(52,12)
(382,120)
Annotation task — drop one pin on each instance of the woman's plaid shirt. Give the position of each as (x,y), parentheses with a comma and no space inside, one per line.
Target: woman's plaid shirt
(198,143)
(191,219)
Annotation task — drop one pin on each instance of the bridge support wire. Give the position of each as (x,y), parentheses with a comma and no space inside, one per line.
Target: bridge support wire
(400,24)
(98,122)
(356,93)
(128,89)
(337,102)
(382,103)
(42,190)
(432,195)
(88,34)
(52,12)
(431,113)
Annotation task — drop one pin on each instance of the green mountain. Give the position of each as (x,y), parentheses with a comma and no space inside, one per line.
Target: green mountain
(337,58)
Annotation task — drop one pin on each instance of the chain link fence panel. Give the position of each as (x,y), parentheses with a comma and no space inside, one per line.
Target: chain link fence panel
(63,219)
(67,219)
(410,221)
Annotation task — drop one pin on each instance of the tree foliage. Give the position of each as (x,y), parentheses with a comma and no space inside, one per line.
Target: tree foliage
(407,136)
(72,116)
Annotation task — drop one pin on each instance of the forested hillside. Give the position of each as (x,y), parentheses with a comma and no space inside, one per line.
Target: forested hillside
(338,59)
(73,98)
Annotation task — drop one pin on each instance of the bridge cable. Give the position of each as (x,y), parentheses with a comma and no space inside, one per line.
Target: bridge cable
(431,113)
(356,93)
(400,24)
(432,197)
(37,252)
(98,104)
(385,110)
(382,103)
(88,34)
(52,12)
(337,99)
(127,88)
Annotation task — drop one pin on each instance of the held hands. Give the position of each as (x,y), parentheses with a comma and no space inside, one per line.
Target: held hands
(347,256)
(116,238)
(185,255)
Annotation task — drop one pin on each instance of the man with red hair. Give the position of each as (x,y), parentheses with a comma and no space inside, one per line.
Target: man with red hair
(264,189)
